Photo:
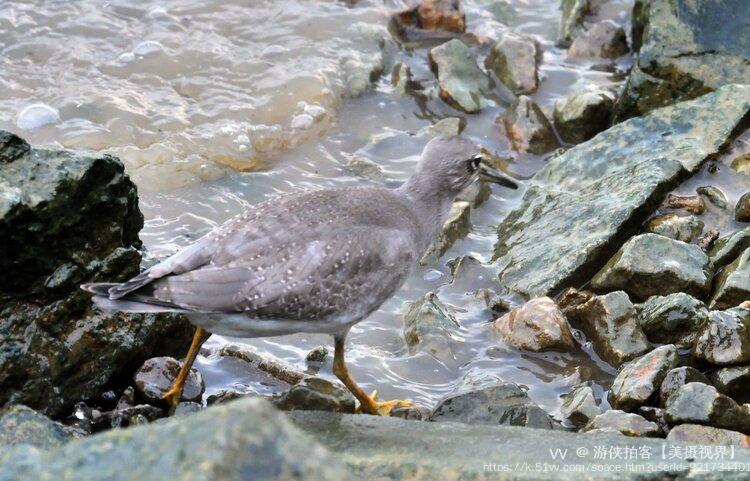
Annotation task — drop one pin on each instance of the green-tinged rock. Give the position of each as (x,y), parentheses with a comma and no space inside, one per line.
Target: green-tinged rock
(689,48)
(515,60)
(583,114)
(610,322)
(401,78)
(538,325)
(675,226)
(741,164)
(22,425)
(476,194)
(698,435)
(742,209)
(571,19)
(462,83)
(316,394)
(447,127)
(714,195)
(365,168)
(676,378)
(246,439)
(698,403)
(456,226)
(639,380)
(733,381)
(624,423)
(579,406)
(527,128)
(604,39)
(581,207)
(728,248)
(676,318)
(431,326)
(732,285)
(725,339)
(651,265)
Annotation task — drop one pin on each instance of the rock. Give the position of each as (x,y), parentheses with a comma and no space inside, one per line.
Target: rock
(22,425)
(127,398)
(583,114)
(624,423)
(456,226)
(610,322)
(714,195)
(733,381)
(224,443)
(698,403)
(187,408)
(316,394)
(604,39)
(572,298)
(579,406)
(725,339)
(741,164)
(430,16)
(476,194)
(732,285)
(571,19)
(515,60)
(461,82)
(728,248)
(538,325)
(707,240)
(317,354)
(651,265)
(226,395)
(584,203)
(365,168)
(157,375)
(497,404)
(527,127)
(134,415)
(674,319)
(691,203)
(640,379)
(698,435)
(401,78)
(69,217)
(274,368)
(742,209)
(656,416)
(677,227)
(684,55)
(446,127)
(430,326)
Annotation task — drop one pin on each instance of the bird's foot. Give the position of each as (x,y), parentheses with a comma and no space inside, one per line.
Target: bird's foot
(173,395)
(382,408)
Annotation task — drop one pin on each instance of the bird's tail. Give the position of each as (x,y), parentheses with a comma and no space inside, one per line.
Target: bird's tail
(132,303)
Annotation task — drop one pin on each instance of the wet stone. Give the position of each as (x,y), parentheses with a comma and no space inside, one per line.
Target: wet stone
(156,376)
(640,379)
(742,209)
(725,339)
(697,434)
(604,39)
(675,226)
(656,415)
(624,423)
(650,264)
(430,326)
(572,15)
(22,425)
(708,239)
(527,128)
(316,394)
(438,16)
(317,354)
(131,416)
(461,82)
(698,403)
(741,164)
(12,147)
(728,248)
(610,322)
(732,285)
(733,381)
(476,194)
(226,395)
(515,61)
(447,127)
(579,406)
(571,298)
(583,114)
(456,226)
(365,168)
(401,78)
(691,203)
(676,318)
(537,325)
(714,195)
(187,407)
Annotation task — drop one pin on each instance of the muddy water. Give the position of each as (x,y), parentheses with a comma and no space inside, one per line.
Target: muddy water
(216,105)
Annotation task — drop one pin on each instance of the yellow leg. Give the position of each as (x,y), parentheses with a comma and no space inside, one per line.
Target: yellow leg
(175,392)
(367,404)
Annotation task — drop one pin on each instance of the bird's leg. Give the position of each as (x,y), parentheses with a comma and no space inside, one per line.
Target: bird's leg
(175,392)
(367,404)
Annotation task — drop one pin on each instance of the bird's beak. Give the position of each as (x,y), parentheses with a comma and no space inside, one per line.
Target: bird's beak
(491,174)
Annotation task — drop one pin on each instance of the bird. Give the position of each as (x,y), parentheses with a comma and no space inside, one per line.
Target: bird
(315,261)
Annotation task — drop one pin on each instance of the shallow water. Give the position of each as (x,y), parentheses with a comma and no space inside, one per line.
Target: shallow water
(216,105)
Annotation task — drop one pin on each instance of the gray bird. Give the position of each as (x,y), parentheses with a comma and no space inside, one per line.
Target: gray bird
(318,261)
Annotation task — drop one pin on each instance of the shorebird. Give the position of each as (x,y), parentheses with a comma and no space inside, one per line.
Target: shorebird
(318,261)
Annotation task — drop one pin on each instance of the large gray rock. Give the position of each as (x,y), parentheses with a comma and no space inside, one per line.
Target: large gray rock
(515,60)
(538,325)
(698,403)
(581,207)
(733,381)
(685,228)
(583,114)
(431,326)
(461,82)
(725,339)
(156,376)
(65,218)
(676,378)
(639,380)
(21,425)
(604,39)
(579,406)
(676,318)
(624,423)
(689,48)
(316,394)
(456,226)
(246,439)
(527,128)
(697,434)
(728,248)
(651,265)
(732,285)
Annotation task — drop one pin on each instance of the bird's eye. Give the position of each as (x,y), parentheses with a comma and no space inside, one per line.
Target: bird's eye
(474,162)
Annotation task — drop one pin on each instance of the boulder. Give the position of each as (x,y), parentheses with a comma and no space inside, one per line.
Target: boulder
(725,339)
(676,378)
(460,80)
(572,15)
(581,207)
(515,60)
(22,425)
(316,394)
(674,319)
(698,403)
(579,406)
(742,209)
(651,265)
(699,435)
(456,226)
(604,39)
(610,322)
(732,285)
(624,423)
(733,381)
(156,376)
(66,218)
(688,49)
(538,325)
(728,248)
(674,226)
(527,128)
(583,114)
(430,326)
(639,380)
